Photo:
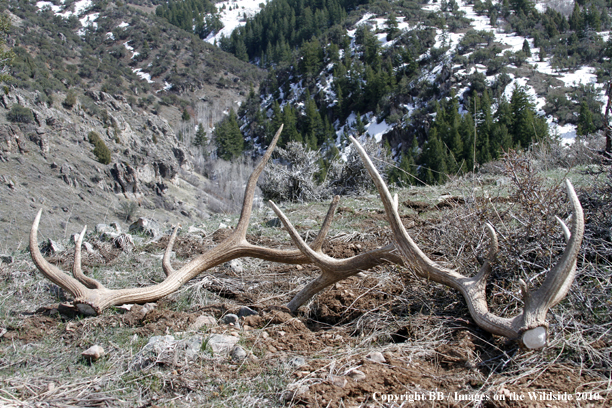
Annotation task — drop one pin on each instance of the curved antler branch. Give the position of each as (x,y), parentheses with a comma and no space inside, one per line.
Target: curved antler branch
(332,270)
(77,272)
(530,326)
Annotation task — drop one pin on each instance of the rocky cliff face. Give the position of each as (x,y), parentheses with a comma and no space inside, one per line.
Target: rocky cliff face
(49,163)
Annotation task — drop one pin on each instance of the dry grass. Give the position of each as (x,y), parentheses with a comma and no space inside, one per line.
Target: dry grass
(422,329)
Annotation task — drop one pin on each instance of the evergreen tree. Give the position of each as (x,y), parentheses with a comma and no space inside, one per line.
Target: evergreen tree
(392,26)
(526,48)
(433,160)
(200,137)
(186,117)
(228,138)
(522,127)
(585,124)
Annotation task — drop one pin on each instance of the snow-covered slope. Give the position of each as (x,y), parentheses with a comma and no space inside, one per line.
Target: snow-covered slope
(233,14)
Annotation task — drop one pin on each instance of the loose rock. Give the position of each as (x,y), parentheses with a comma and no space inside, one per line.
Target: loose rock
(238,353)
(236,266)
(246,311)
(357,375)
(338,381)
(221,344)
(93,353)
(376,356)
(202,321)
(231,318)
(296,361)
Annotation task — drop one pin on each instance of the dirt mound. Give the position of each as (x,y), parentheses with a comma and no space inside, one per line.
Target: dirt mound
(347,300)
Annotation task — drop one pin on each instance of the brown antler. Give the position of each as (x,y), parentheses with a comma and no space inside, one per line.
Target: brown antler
(91,297)
(529,327)
(332,270)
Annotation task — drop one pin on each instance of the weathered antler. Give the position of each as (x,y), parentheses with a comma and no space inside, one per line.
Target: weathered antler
(529,327)
(91,297)
(332,270)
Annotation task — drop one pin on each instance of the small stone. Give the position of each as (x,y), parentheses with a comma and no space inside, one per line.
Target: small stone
(338,381)
(246,311)
(125,308)
(264,334)
(281,333)
(236,266)
(89,248)
(296,361)
(147,308)
(54,247)
(116,226)
(377,357)
(231,318)
(93,353)
(253,358)
(145,226)
(202,321)
(101,228)
(356,375)
(294,391)
(220,344)
(195,231)
(238,353)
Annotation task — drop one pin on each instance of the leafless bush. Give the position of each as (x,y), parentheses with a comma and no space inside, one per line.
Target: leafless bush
(349,176)
(531,241)
(227,181)
(292,176)
(127,210)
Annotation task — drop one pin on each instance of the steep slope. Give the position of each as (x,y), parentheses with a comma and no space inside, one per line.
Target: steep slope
(400,70)
(139,83)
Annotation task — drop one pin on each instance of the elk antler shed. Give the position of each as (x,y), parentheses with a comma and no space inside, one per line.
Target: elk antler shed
(529,327)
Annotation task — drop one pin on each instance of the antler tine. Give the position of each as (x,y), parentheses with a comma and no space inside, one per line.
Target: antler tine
(329,217)
(249,193)
(76,266)
(166,265)
(405,244)
(50,271)
(560,277)
(332,270)
(472,289)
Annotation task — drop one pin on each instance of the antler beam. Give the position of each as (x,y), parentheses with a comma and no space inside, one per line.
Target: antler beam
(529,327)
(91,297)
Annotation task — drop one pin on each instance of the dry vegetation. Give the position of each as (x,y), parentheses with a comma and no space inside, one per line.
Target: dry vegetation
(423,331)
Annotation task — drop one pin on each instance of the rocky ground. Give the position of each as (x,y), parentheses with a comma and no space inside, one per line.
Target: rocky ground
(50,164)
(386,338)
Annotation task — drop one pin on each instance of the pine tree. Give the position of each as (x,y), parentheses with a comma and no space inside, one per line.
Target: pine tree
(200,137)
(526,48)
(433,160)
(186,117)
(228,138)
(392,25)
(585,124)
(522,127)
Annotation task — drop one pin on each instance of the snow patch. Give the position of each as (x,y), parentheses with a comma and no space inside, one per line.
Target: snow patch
(234,18)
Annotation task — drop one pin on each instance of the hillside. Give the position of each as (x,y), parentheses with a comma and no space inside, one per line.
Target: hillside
(447,86)
(138,82)
(117,110)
